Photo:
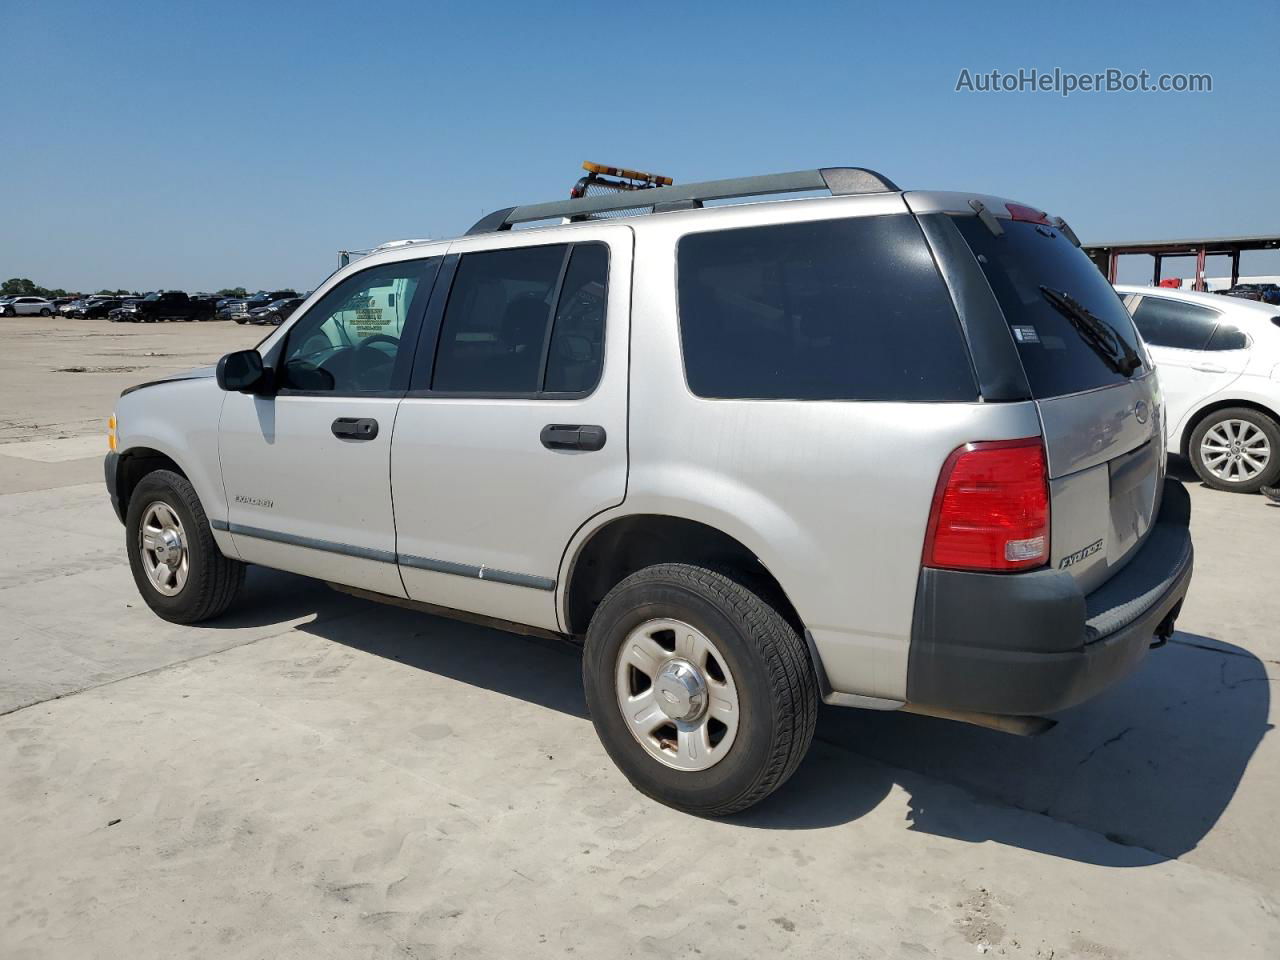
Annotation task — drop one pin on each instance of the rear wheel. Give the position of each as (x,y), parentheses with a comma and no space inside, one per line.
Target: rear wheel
(179,570)
(1236,449)
(701,693)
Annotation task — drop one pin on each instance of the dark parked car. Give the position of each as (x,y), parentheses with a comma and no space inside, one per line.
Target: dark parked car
(123,311)
(94,307)
(238,310)
(1245,291)
(276,312)
(168,305)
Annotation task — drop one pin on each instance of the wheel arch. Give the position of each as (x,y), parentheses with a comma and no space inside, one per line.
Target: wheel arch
(1198,416)
(621,545)
(134,464)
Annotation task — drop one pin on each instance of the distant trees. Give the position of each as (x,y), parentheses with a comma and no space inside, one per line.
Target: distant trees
(22,287)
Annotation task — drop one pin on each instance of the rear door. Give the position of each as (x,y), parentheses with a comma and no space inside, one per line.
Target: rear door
(514,433)
(1098,396)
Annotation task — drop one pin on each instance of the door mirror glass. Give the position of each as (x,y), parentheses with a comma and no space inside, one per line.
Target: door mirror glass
(242,372)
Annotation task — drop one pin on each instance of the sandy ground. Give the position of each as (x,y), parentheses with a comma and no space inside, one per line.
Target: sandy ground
(318,776)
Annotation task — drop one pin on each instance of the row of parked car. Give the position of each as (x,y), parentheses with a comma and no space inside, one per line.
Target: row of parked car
(1260,292)
(264,307)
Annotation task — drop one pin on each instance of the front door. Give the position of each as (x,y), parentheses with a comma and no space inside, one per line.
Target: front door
(306,470)
(514,432)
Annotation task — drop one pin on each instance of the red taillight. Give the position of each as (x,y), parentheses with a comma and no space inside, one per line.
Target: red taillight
(991,508)
(1019,211)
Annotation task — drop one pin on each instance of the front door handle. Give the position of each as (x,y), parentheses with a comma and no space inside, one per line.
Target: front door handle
(355,428)
(1209,368)
(572,436)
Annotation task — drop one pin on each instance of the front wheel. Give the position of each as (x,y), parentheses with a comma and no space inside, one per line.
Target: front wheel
(700,692)
(46,312)
(1236,449)
(179,570)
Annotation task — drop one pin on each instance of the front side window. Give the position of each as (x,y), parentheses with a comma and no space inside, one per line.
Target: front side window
(1172,323)
(849,309)
(349,341)
(524,321)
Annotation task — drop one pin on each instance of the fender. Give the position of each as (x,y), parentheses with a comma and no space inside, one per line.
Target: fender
(179,418)
(769,532)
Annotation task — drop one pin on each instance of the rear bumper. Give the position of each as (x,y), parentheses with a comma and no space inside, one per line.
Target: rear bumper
(1033,643)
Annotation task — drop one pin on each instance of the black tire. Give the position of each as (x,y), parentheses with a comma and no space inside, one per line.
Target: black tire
(1265,478)
(213,579)
(10,312)
(46,312)
(770,664)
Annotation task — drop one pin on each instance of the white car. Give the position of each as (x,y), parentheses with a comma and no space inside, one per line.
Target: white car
(1219,365)
(28,307)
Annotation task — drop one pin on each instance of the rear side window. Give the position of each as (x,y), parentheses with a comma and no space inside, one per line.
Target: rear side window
(1227,337)
(849,309)
(524,321)
(1070,327)
(1171,323)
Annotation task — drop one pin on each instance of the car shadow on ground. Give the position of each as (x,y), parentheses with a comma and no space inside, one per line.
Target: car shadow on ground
(1149,766)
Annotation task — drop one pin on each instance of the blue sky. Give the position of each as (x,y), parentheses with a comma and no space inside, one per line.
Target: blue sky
(199,146)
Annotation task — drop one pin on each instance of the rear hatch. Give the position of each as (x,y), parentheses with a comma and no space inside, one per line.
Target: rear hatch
(1097,395)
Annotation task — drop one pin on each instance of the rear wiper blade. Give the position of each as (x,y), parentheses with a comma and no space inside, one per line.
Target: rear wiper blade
(1097,333)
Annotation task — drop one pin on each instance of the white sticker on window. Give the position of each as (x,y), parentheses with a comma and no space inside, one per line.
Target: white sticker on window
(1024,334)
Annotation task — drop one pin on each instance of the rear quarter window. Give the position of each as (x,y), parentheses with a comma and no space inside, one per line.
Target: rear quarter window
(850,309)
(1030,268)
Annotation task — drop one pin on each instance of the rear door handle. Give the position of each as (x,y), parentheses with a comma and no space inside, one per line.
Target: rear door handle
(355,428)
(1208,368)
(572,436)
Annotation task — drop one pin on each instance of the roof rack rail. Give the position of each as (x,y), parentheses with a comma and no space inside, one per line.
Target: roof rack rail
(841,181)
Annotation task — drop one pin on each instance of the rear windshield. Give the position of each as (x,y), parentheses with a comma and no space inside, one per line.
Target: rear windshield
(826,310)
(1071,329)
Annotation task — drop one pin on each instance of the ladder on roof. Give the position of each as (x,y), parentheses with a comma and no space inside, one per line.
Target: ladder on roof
(839,181)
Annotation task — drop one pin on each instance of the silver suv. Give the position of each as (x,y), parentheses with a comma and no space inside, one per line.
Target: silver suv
(881,449)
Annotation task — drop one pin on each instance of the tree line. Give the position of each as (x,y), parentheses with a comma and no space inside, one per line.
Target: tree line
(22,287)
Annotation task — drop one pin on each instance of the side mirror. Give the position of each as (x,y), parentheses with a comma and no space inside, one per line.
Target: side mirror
(243,372)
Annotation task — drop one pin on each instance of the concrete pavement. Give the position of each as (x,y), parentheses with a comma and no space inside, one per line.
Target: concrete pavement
(316,775)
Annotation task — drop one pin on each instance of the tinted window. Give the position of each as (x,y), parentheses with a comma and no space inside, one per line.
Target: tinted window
(577,337)
(830,310)
(497,335)
(1227,337)
(349,341)
(1171,323)
(1071,329)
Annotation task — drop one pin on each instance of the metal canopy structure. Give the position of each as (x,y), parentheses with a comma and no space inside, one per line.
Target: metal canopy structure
(840,181)
(1107,255)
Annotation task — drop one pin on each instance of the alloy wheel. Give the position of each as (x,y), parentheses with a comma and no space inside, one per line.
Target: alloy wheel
(1235,450)
(163,547)
(677,695)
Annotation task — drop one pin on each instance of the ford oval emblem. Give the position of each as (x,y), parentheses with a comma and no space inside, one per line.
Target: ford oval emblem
(1140,411)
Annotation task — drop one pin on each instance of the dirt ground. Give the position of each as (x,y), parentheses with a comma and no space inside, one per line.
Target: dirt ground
(318,776)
